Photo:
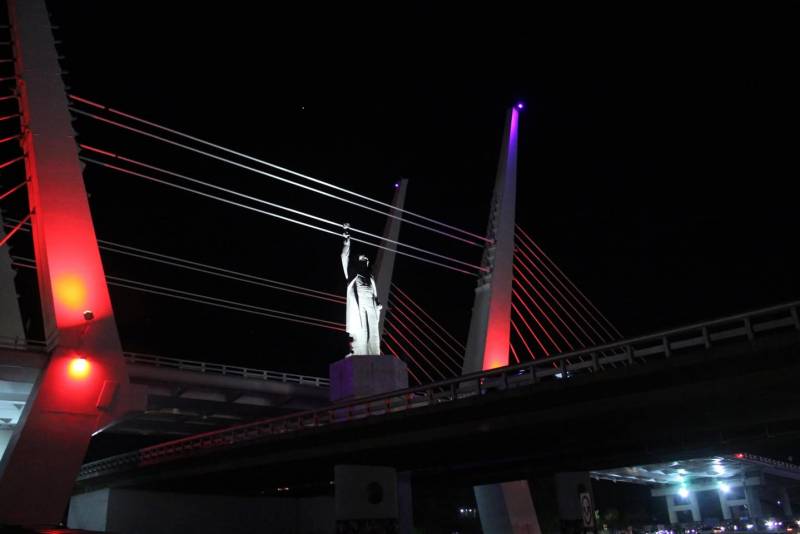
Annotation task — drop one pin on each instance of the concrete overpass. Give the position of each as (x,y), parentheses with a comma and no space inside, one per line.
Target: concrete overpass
(183,397)
(724,385)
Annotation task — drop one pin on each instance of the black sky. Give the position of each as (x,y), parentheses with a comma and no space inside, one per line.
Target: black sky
(657,159)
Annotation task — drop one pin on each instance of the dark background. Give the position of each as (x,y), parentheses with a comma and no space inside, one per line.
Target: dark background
(657,154)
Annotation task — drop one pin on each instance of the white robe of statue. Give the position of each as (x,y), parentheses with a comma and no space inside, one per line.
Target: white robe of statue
(363,310)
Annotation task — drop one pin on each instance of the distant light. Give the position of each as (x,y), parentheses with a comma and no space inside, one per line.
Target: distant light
(739,455)
(724,488)
(397,185)
(770,524)
(682,471)
(719,469)
(520,105)
(750,526)
(683,492)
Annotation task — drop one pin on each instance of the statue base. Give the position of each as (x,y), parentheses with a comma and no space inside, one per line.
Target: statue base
(363,376)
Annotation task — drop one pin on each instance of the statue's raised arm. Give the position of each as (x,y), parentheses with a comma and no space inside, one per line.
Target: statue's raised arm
(346,250)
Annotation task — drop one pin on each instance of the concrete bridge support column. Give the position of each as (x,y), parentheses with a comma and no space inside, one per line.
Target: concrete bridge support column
(507,508)
(366,499)
(373,497)
(786,503)
(753,496)
(673,507)
(405,503)
(726,504)
(370,497)
(5,437)
(575,500)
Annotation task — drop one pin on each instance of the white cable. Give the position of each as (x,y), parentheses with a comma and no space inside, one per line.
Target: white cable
(277,313)
(338,300)
(251,208)
(279,206)
(251,158)
(253,312)
(264,173)
(205,299)
(221,269)
(110,246)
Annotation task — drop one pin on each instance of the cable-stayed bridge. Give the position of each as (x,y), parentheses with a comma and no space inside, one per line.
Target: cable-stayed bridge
(526,407)
(540,359)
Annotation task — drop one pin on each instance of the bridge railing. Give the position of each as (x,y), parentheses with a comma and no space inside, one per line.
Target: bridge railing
(769,462)
(631,352)
(22,344)
(135,358)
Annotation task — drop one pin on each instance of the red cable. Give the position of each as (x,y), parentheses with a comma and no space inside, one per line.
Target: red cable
(553,341)
(408,355)
(546,352)
(411,331)
(524,257)
(543,253)
(434,321)
(401,312)
(572,332)
(408,341)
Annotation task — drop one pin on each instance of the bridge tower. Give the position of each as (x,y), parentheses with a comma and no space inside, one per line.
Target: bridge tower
(504,507)
(84,386)
(490,326)
(384,261)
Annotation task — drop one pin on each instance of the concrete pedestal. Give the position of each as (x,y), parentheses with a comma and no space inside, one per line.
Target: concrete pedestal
(364,376)
(368,498)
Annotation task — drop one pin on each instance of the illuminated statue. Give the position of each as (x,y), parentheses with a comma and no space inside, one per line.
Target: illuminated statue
(363,310)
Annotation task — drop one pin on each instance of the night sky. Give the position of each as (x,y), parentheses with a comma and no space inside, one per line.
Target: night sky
(657,155)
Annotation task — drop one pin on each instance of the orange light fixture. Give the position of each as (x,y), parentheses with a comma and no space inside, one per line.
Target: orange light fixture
(70,291)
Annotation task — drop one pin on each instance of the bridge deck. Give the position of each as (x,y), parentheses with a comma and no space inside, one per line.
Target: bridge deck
(183,396)
(677,377)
